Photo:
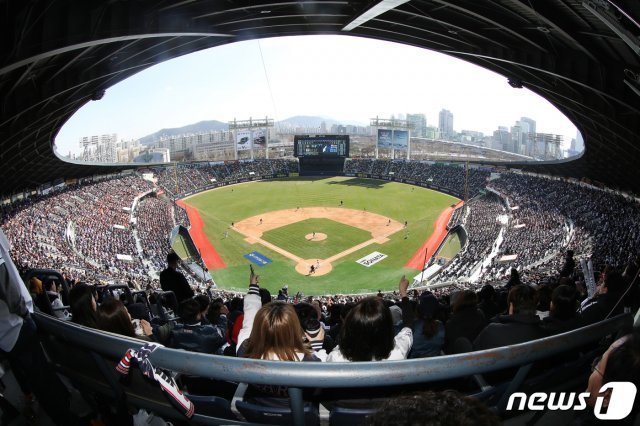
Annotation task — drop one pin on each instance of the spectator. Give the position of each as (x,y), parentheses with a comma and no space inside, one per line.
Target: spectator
(56,301)
(172,280)
(39,297)
(217,313)
(467,321)
(114,318)
(606,300)
(562,311)
(272,331)
(310,322)
(488,305)
(569,265)
(193,335)
(619,363)
(428,332)
(83,305)
(521,325)
(514,279)
(368,334)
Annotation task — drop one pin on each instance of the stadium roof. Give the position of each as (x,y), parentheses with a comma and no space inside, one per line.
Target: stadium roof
(583,57)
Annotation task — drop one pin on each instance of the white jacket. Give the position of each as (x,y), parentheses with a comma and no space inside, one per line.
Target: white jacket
(401,347)
(252,303)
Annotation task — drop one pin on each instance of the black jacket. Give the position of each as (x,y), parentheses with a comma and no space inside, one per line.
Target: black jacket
(509,330)
(553,325)
(597,308)
(467,322)
(172,280)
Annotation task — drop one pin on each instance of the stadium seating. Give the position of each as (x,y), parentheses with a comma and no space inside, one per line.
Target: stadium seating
(88,358)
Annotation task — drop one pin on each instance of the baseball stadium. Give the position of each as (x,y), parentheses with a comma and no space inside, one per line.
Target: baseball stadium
(346,277)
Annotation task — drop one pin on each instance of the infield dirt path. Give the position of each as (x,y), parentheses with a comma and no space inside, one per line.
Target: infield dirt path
(380,227)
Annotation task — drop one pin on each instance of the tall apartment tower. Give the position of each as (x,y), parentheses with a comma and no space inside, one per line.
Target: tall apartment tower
(445,124)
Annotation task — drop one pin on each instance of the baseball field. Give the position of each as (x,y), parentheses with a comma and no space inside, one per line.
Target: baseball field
(285,226)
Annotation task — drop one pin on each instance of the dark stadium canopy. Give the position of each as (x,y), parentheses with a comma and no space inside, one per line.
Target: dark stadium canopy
(583,57)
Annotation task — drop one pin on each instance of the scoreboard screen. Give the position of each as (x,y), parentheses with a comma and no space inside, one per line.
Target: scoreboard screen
(332,146)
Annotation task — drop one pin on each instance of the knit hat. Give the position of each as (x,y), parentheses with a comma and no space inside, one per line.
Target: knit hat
(313,331)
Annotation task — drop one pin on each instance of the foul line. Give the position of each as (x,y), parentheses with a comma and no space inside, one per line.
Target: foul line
(431,244)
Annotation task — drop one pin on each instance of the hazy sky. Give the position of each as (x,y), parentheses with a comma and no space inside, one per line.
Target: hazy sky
(340,77)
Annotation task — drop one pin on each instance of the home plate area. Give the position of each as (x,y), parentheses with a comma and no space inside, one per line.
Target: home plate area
(379,227)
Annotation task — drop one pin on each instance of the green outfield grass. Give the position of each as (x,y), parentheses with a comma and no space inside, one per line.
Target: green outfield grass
(451,247)
(292,238)
(180,247)
(220,207)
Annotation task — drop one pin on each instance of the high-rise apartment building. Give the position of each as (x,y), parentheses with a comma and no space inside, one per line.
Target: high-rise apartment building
(445,124)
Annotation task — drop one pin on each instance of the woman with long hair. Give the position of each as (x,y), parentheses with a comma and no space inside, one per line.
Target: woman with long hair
(114,318)
(83,305)
(272,331)
(428,331)
(368,332)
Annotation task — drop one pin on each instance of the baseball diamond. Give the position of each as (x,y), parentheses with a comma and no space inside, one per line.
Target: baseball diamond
(371,219)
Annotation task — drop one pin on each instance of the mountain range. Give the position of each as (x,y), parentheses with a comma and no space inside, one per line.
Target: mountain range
(305,121)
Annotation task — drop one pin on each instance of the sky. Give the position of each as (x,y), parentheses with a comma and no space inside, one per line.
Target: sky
(345,78)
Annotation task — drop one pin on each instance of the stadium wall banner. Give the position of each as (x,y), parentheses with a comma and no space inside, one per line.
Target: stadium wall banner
(243,140)
(294,174)
(259,138)
(257,258)
(371,259)
(384,138)
(400,139)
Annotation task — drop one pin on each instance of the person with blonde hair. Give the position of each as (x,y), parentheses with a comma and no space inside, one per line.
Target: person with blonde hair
(273,331)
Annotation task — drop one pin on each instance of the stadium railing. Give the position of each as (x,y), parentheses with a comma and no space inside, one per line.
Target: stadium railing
(99,352)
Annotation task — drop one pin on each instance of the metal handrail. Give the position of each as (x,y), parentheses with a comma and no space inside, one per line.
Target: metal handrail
(336,375)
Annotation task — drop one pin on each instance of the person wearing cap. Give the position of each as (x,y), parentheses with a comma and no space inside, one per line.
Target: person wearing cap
(172,280)
(428,332)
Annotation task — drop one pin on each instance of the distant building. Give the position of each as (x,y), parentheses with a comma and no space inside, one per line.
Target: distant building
(185,146)
(522,137)
(445,124)
(154,155)
(577,145)
(472,137)
(502,139)
(99,148)
(419,122)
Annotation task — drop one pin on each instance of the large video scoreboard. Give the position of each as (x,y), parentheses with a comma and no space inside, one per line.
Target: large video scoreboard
(327,146)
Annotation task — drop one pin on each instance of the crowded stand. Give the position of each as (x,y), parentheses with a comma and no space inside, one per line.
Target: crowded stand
(180,216)
(447,177)
(83,227)
(154,224)
(196,176)
(86,232)
(482,227)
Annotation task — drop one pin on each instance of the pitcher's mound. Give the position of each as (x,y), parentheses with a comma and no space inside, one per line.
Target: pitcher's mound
(304,267)
(318,237)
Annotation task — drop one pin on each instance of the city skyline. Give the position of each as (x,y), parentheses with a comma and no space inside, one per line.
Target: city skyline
(342,78)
